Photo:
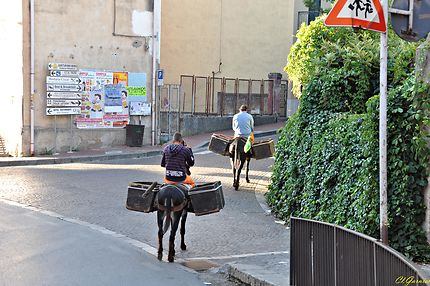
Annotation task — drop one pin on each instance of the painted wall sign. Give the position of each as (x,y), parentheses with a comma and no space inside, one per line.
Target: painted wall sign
(63,110)
(62,66)
(63,102)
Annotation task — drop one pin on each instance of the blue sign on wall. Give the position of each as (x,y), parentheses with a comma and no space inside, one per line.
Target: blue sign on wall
(160,77)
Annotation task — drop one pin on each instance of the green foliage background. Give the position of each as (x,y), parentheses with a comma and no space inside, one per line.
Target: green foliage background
(326,165)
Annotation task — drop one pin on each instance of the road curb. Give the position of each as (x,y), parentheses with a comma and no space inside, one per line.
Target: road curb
(233,271)
(90,158)
(31,161)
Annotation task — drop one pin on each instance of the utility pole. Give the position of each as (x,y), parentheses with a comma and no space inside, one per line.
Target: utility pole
(383,178)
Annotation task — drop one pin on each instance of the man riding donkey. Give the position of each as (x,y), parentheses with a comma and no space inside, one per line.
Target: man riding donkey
(173,197)
(240,148)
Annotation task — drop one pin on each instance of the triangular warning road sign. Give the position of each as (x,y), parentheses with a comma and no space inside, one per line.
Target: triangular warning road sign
(366,14)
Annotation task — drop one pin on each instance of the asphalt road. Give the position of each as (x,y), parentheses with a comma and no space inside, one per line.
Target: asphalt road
(96,193)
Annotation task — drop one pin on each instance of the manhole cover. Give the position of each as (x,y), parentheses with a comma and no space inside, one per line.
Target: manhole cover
(199,265)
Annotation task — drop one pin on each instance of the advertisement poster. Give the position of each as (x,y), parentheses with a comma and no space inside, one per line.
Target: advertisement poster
(140,108)
(88,79)
(136,87)
(113,98)
(136,93)
(120,78)
(96,103)
(104,104)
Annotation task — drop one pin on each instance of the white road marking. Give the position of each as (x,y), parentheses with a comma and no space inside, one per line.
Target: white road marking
(238,255)
(203,152)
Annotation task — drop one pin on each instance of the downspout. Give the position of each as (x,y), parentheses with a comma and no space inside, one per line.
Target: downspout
(155,50)
(153,87)
(32,88)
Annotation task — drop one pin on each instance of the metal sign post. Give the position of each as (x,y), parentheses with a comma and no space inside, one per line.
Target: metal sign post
(71,134)
(348,13)
(383,178)
(55,135)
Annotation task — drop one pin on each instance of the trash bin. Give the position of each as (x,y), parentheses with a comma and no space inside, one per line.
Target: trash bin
(134,135)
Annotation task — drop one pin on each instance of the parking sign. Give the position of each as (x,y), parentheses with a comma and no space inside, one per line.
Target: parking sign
(160,77)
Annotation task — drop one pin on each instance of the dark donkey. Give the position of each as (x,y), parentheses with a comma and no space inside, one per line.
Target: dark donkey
(172,204)
(238,159)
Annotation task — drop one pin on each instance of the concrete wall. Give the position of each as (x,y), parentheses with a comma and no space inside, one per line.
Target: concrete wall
(191,125)
(251,38)
(82,32)
(11,74)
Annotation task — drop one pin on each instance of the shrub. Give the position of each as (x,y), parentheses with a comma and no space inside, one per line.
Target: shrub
(326,165)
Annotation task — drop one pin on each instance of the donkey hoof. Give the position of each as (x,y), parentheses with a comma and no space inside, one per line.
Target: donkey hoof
(160,256)
(248,181)
(236,187)
(171,258)
(183,247)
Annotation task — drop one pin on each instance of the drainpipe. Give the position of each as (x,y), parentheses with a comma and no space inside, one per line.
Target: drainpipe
(156,19)
(154,72)
(32,88)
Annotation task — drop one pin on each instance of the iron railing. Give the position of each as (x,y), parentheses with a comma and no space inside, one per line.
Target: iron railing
(325,254)
(223,96)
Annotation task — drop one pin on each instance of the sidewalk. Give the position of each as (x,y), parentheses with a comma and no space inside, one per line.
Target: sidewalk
(124,152)
(42,248)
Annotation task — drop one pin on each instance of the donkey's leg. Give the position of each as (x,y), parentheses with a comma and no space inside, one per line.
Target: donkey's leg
(242,162)
(175,224)
(247,169)
(234,172)
(183,221)
(160,215)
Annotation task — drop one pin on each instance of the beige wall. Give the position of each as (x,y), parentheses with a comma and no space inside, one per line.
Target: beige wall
(251,38)
(81,32)
(11,59)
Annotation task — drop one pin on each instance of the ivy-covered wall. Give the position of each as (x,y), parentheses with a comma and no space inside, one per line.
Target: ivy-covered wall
(326,165)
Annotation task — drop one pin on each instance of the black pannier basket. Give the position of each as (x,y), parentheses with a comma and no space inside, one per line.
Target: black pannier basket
(207,198)
(263,149)
(219,144)
(141,196)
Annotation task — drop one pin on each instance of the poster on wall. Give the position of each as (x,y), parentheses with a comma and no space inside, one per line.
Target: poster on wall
(104,100)
(140,108)
(113,98)
(88,80)
(136,87)
(120,78)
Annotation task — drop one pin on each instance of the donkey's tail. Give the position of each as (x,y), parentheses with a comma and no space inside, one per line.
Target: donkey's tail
(167,213)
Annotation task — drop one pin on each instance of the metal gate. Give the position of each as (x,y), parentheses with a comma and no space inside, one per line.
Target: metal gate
(168,112)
